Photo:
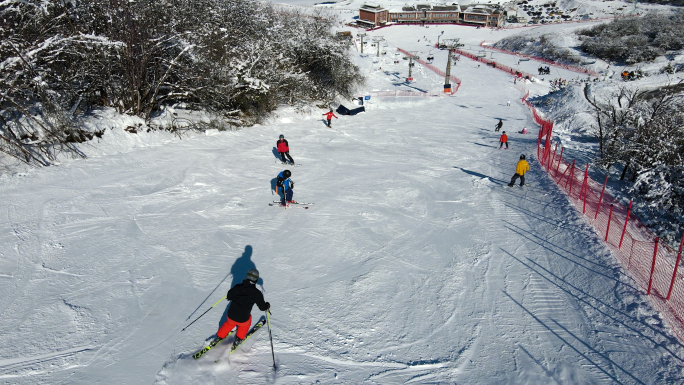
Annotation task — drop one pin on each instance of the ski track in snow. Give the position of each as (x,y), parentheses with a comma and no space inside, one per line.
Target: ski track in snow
(416,265)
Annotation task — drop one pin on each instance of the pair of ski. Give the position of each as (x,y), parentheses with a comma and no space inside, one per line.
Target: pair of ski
(303,205)
(255,328)
(288,163)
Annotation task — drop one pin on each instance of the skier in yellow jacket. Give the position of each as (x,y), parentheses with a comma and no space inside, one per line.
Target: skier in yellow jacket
(520,169)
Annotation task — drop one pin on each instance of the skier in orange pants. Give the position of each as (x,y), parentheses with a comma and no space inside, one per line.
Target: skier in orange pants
(243,296)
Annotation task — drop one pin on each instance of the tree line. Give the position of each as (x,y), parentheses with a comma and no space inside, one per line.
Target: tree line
(636,39)
(238,59)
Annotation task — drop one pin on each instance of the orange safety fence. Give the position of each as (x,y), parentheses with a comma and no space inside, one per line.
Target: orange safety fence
(652,264)
(542,60)
(494,64)
(406,93)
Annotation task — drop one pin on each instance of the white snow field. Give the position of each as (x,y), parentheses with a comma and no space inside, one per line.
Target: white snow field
(417,264)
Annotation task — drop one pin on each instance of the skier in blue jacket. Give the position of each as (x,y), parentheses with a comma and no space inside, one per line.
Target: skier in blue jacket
(286,184)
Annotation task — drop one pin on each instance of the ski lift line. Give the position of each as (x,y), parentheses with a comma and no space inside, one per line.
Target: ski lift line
(454,79)
(547,61)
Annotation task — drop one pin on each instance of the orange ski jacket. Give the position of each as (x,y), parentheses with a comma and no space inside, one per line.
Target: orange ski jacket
(522,167)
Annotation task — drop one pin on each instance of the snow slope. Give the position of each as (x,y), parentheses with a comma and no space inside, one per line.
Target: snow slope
(416,264)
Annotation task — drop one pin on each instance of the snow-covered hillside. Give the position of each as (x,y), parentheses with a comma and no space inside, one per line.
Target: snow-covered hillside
(417,264)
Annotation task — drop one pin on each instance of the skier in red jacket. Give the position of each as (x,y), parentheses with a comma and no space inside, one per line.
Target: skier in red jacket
(284,149)
(329,116)
(503,140)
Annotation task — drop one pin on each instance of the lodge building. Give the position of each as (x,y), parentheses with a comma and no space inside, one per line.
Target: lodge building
(371,15)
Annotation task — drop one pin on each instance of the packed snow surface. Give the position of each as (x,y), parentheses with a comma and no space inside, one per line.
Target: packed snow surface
(417,264)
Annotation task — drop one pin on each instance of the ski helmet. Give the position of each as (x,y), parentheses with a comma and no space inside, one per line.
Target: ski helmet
(287,173)
(522,157)
(282,136)
(504,132)
(253,275)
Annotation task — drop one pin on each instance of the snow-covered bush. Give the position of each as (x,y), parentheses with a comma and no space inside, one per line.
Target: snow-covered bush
(238,58)
(541,46)
(644,132)
(635,40)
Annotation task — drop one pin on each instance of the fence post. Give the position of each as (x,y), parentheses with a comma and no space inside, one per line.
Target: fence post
(560,157)
(558,182)
(598,207)
(655,253)
(547,144)
(552,158)
(629,210)
(571,176)
(674,274)
(539,136)
(585,187)
(610,216)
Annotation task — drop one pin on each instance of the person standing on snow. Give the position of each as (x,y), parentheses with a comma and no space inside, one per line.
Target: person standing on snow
(520,169)
(284,182)
(498,125)
(329,116)
(243,296)
(503,140)
(283,149)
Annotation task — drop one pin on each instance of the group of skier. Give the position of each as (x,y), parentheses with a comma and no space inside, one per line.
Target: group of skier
(522,167)
(245,295)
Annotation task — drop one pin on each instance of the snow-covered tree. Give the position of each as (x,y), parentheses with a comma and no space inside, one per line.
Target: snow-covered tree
(644,132)
(635,40)
(237,58)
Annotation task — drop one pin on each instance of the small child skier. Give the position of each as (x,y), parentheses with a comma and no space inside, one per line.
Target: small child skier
(284,149)
(284,182)
(329,116)
(520,169)
(503,140)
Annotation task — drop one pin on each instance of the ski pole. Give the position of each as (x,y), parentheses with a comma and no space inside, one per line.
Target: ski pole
(224,297)
(268,319)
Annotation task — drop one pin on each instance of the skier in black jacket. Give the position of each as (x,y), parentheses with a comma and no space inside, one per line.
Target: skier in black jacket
(498,126)
(243,296)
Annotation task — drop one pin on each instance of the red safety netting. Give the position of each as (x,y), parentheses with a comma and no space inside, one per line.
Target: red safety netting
(540,59)
(453,78)
(649,262)
(494,64)
(407,93)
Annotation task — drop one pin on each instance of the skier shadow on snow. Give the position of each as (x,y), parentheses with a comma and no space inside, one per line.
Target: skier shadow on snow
(483,176)
(276,153)
(484,145)
(274,182)
(239,271)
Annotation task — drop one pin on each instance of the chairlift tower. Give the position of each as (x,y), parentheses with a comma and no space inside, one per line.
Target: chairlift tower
(377,40)
(361,35)
(451,45)
(412,56)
